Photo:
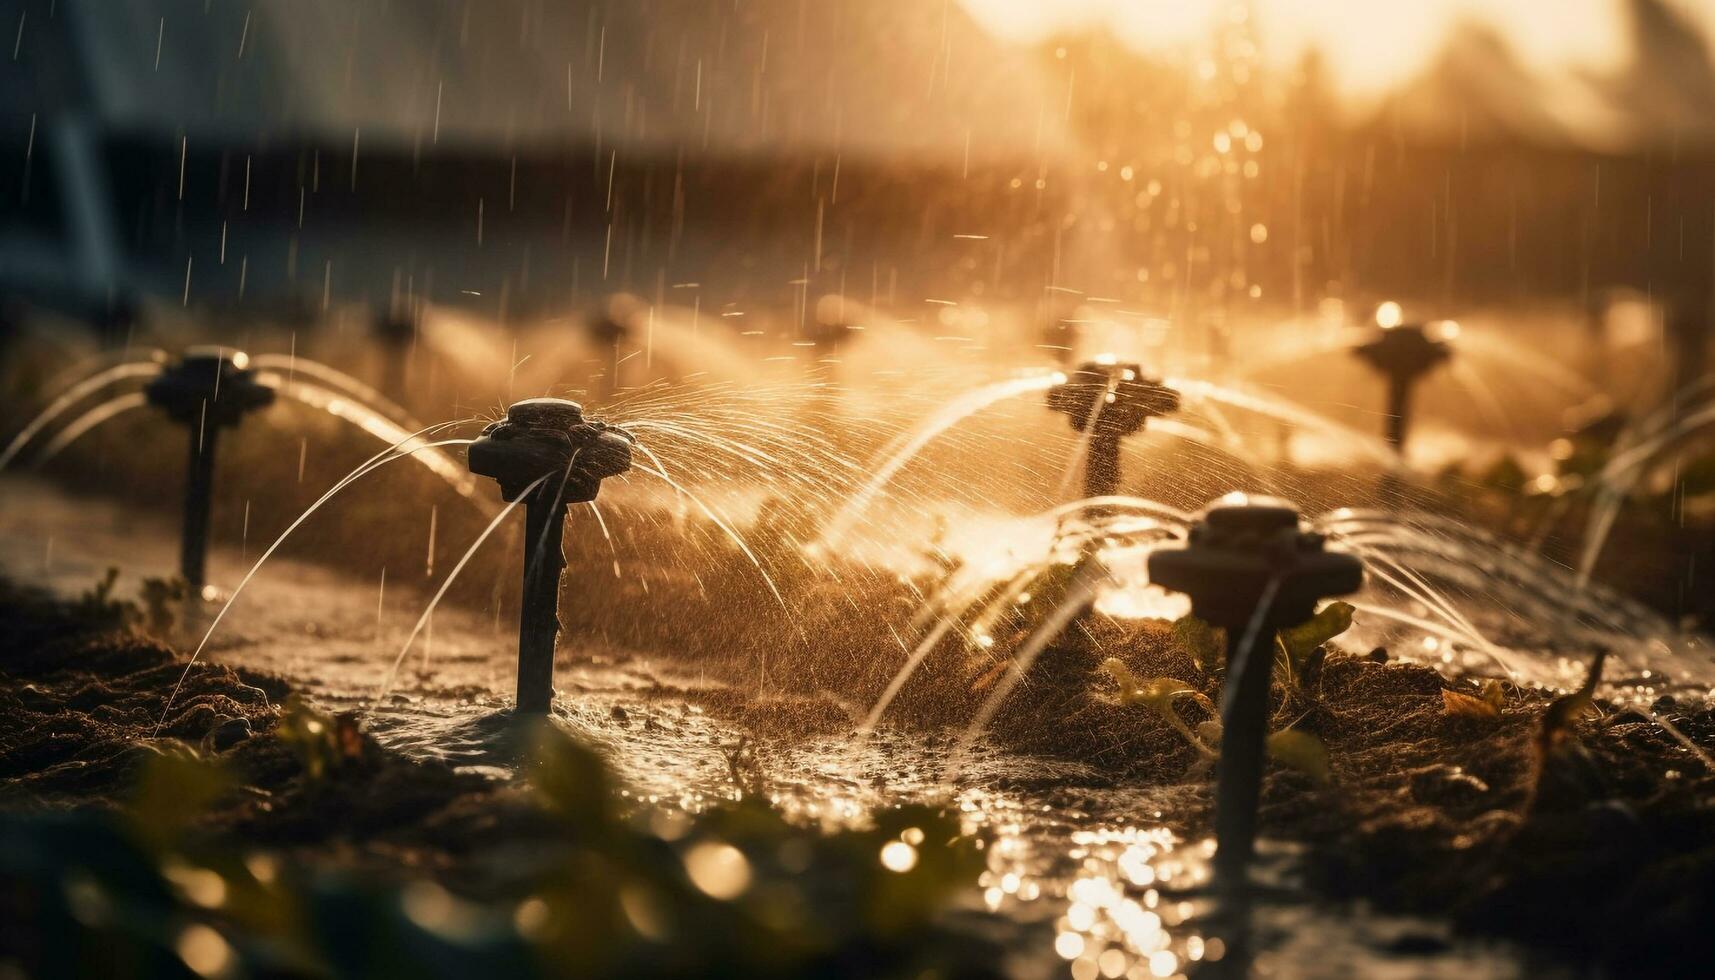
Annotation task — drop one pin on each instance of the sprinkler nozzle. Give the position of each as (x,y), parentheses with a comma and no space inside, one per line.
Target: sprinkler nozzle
(209,387)
(1402,355)
(543,436)
(206,390)
(832,326)
(1236,548)
(1109,401)
(1126,397)
(1243,553)
(547,440)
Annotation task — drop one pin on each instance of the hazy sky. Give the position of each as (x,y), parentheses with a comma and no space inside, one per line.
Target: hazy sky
(1370,45)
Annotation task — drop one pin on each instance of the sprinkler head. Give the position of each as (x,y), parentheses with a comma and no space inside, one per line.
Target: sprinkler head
(209,387)
(543,436)
(1237,547)
(1404,353)
(1126,398)
(831,327)
(612,324)
(396,329)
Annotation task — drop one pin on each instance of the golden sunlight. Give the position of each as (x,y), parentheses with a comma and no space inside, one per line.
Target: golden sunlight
(1370,48)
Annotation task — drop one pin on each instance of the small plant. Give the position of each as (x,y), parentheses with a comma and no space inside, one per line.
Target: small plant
(160,597)
(324,744)
(98,604)
(1291,748)
(1159,695)
(1563,712)
(746,769)
(1300,650)
(1206,644)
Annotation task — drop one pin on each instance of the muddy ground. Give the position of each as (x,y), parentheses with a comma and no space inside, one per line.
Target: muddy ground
(1596,844)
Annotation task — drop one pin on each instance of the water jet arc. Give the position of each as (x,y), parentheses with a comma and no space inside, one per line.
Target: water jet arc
(206,390)
(546,437)
(1108,401)
(1250,569)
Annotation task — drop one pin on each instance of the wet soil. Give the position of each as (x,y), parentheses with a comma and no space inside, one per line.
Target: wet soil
(1599,848)
(80,702)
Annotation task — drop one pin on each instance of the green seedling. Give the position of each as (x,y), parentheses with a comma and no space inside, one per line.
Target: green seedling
(324,744)
(97,603)
(1206,644)
(1159,695)
(160,598)
(1301,751)
(1300,649)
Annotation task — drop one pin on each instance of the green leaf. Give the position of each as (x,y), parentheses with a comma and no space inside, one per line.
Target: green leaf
(1158,695)
(1301,641)
(1206,644)
(175,786)
(569,778)
(1301,751)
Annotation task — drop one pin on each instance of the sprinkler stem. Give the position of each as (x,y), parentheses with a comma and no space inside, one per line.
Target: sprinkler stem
(1402,355)
(548,454)
(1106,401)
(1244,729)
(207,389)
(1102,467)
(199,502)
(1398,410)
(539,619)
(1250,569)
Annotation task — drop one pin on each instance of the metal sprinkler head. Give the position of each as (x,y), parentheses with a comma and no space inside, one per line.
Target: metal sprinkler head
(613,322)
(1406,352)
(832,326)
(550,437)
(209,387)
(1120,395)
(206,390)
(1251,569)
(396,328)
(1110,401)
(548,444)
(1237,547)
(1402,355)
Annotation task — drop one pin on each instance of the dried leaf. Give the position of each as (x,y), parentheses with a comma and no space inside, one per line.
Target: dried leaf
(1466,706)
(1301,751)
(1494,694)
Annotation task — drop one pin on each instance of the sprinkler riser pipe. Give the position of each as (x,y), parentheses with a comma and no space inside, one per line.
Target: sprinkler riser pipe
(539,616)
(1399,392)
(1107,402)
(1236,558)
(1402,355)
(207,389)
(1102,466)
(199,504)
(548,455)
(1244,729)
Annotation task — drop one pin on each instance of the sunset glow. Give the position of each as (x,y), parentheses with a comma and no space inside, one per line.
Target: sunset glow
(1370,48)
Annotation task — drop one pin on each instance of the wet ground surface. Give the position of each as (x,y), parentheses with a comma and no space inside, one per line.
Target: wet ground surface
(1087,877)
